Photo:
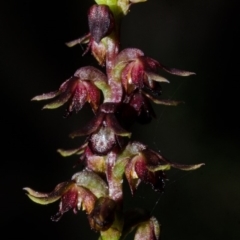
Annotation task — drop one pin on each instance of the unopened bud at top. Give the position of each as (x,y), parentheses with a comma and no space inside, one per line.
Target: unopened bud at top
(100,21)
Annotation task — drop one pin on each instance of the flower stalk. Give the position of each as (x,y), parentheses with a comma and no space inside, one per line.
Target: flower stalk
(118,98)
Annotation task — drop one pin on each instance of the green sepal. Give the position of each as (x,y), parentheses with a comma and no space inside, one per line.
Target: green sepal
(183,167)
(91,181)
(149,230)
(46,198)
(105,88)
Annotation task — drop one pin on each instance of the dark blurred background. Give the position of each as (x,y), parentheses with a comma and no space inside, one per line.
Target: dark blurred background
(200,36)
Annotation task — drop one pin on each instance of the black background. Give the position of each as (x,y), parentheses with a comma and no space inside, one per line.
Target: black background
(199,36)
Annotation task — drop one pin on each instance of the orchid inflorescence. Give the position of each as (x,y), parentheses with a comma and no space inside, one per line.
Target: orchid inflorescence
(118,98)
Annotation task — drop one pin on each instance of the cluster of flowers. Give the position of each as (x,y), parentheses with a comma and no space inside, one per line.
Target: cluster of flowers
(118,98)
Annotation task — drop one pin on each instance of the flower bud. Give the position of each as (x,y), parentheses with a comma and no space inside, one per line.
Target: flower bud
(100,21)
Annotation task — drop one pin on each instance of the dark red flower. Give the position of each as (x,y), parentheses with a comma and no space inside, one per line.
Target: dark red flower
(138,107)
(101,23)
(146,165)
(137,71)
(103,130)
(81,192)
(78,90)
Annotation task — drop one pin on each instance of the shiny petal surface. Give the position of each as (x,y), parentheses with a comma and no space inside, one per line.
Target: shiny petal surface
(93,95)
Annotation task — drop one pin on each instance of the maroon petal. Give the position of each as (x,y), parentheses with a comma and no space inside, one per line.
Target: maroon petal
(93,95)
(143,108)
(112,122)
(150,65)
(138,74)
(128,54)
(157,181)
(142,171)
(91,127)
(68,201)
(78,99)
